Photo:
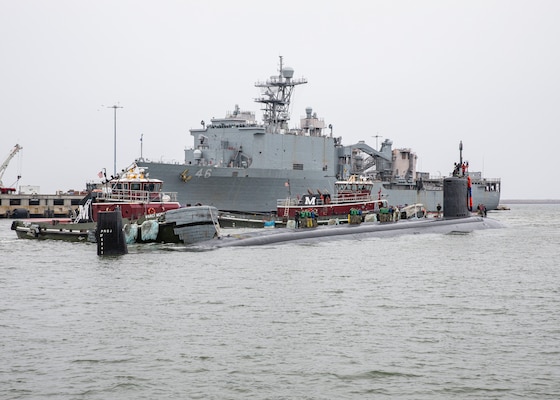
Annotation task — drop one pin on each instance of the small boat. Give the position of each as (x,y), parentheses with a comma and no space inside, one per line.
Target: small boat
(355,193)
(54,229)
(186,225)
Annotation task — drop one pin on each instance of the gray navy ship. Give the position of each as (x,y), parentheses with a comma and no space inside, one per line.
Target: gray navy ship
(239,164)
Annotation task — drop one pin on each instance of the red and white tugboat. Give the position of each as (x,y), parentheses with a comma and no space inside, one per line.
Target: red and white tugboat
(352,194)
(134,193)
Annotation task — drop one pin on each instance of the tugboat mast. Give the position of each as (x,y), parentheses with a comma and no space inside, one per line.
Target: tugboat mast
(276,97)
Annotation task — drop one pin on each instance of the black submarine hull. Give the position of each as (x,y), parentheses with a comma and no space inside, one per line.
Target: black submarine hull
(457,218)
(348,231)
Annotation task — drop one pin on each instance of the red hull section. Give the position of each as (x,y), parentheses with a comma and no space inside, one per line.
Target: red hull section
(133,211)
(327,210)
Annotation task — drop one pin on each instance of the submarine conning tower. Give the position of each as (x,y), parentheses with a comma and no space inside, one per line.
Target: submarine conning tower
(110,234)
(455,193)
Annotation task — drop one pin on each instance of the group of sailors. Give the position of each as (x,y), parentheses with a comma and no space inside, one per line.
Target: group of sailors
(388,214)
(306,218)
(461,169)
(482,211)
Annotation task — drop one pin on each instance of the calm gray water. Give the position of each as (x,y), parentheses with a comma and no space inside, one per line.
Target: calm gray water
(473,316)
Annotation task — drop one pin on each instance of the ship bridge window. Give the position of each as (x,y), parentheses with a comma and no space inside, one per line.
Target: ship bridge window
(135,186)
(75,202)
(15,202)
(33,202)
(58,202)
(150,187)
(298,167)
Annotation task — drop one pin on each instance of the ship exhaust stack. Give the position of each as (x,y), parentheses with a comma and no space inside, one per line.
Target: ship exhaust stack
(110,234)
(455,192)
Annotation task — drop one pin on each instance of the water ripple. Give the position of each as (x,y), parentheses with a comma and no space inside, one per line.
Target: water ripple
(423,317)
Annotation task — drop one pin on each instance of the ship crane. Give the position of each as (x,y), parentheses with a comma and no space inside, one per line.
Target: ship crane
(4,166)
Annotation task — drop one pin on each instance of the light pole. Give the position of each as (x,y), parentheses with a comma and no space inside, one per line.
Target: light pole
(114,107)
(376,144)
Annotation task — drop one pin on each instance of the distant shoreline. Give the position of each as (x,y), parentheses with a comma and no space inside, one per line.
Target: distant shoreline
(526,201)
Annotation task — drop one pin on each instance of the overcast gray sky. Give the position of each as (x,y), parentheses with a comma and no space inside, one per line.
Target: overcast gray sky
(425,74)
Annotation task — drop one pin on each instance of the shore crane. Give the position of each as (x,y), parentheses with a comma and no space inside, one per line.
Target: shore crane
(4,166)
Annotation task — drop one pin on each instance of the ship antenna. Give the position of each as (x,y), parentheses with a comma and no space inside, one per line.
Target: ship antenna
(461,152)
(276,97)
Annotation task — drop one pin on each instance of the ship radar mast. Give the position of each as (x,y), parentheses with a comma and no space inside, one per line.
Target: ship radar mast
(276,95)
